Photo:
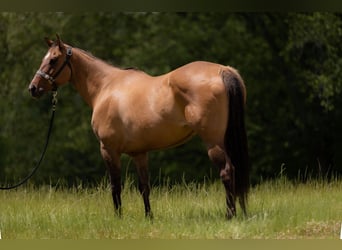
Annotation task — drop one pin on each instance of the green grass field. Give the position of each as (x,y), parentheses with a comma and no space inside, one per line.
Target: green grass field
(277,210)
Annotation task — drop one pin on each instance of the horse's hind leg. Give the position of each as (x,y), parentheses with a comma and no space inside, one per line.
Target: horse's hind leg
(141,163)
(114,169)
(220,158)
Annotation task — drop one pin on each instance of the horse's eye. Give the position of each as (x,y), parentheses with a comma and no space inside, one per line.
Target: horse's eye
(53,61)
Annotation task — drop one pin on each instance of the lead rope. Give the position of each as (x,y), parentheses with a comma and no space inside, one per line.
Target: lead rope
(54,103)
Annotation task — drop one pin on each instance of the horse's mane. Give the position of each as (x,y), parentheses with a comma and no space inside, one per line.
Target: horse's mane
(89,54)
(131,68)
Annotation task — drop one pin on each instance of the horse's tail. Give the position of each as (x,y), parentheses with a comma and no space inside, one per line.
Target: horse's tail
(235,138)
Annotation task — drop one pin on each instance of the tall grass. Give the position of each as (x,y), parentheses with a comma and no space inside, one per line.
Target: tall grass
(277,209)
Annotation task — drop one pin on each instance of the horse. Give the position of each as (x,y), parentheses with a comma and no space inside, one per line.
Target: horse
(134,113)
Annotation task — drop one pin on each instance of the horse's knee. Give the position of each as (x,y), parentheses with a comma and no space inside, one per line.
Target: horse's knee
(227,173)
(217,156)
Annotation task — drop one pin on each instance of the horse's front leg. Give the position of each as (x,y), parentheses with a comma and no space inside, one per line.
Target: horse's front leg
(112,160)
(141,163)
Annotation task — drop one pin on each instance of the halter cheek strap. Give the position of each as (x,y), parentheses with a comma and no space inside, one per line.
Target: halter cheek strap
(52,79)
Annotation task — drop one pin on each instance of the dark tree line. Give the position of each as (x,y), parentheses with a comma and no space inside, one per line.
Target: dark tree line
(291,63)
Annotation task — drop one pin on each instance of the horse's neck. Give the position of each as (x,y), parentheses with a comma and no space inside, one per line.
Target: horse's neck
(88,75)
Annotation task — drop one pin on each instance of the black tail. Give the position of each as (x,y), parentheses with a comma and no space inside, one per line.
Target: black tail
(235,137)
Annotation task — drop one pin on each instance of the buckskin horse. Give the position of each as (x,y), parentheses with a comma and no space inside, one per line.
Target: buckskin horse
(134,113)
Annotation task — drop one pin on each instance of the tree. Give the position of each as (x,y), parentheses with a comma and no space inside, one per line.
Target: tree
(290,63)
(306,54)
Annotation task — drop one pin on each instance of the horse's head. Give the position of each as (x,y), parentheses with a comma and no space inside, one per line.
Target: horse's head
(52,71)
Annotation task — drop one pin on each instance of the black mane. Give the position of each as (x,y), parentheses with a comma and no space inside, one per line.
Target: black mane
(131,68)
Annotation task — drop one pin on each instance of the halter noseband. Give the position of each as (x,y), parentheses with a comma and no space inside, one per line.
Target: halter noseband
(52,79)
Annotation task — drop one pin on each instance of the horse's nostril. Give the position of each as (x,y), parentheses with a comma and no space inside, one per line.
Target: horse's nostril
(32,89)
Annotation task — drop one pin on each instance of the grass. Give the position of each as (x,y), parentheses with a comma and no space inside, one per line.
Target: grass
(277,210)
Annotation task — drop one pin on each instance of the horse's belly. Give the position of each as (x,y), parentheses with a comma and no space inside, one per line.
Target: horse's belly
(159,138)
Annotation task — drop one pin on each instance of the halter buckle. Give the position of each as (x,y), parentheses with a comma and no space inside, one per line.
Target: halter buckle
(69,51)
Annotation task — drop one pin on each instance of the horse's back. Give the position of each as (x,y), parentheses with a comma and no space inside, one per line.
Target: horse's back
(199,68)
(199,76)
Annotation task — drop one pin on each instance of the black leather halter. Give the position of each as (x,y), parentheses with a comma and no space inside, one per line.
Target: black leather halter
(52,79)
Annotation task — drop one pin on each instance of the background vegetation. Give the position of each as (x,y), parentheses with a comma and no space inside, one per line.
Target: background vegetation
(291,63)
(279,209)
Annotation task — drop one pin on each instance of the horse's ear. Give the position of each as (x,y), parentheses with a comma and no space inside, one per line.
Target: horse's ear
(48,41)
(59,42)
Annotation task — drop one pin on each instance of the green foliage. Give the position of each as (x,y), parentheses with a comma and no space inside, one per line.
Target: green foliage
(313,44)
(293,111)
(291,63)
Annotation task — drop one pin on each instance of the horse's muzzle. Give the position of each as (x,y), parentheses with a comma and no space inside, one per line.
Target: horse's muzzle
(35,92)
